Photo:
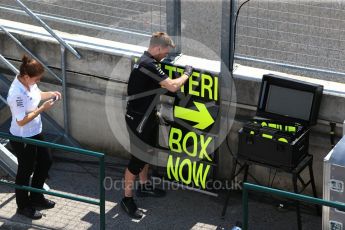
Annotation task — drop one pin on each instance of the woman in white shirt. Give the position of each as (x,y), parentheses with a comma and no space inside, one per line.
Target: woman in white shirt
(23,98)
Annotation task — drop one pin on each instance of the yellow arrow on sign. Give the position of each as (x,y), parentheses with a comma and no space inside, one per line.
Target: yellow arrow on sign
(201,116)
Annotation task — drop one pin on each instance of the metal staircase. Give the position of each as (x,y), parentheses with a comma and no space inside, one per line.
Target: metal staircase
(52,130)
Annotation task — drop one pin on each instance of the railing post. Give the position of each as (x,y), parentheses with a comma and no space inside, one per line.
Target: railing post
(227,36)
(173,17)
(64,91)
(226,68)
(102,193)
(245,207)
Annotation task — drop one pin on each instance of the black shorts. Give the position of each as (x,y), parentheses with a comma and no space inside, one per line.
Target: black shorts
(149,130)
(140,142)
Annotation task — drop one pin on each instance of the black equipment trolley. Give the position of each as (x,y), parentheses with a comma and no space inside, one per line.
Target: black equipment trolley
(278,137)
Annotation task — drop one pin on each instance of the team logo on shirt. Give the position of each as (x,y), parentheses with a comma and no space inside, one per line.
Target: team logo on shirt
(19,102)
(160,71)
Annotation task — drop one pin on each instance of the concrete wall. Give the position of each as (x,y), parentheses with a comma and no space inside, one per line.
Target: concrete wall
(97,83)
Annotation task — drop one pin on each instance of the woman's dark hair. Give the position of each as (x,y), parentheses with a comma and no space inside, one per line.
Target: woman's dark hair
(30,67)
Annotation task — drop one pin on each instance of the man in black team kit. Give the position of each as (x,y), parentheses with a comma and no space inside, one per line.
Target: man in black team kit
(146,76)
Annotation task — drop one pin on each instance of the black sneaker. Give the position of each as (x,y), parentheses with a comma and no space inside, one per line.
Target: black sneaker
(147,190)
(129,206)
(30,212)
(43,203)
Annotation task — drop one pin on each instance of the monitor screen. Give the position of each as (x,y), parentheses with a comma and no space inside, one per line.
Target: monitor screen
(289,102)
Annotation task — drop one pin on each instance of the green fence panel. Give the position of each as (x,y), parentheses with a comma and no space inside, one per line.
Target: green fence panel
(100,202)
(285,194)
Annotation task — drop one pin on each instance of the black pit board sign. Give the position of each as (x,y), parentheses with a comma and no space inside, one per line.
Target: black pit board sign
(193,134)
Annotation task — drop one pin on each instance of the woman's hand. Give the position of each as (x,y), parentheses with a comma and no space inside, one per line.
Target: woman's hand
(50,95)
(30,116)
(56,94)
(47,105)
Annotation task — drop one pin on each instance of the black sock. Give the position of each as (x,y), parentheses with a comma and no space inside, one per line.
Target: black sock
(127,198)
(146,186)
(142,184)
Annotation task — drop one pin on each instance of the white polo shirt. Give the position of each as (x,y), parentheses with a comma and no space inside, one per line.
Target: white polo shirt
(22,102)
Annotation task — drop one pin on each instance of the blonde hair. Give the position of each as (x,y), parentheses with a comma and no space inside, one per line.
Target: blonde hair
(161,39)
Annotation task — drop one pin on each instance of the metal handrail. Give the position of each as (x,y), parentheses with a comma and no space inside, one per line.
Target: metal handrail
(47,28)
(63,46)
(291,66)
(285,194)
(3,99)
(29,52)
(9,65)
(78,23)
(14,70)
(100,202)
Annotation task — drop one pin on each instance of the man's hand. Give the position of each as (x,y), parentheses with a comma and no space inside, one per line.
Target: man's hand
(188,70)
(175,84)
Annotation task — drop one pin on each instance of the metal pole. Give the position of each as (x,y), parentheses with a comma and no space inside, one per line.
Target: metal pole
(51,145)
(245,208)
(173,8)
(226,68)
(102,193)
(64,91)
(284,194)
(227,36)
(3,100)
(45,26)
(227,45)
(52,193)
(294,196)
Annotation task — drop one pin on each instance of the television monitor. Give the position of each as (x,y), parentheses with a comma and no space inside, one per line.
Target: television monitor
(289,100)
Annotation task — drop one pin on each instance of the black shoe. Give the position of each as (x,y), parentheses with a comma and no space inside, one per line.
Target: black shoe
(43,203)
(30,212)
(129,206)
(147,190)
